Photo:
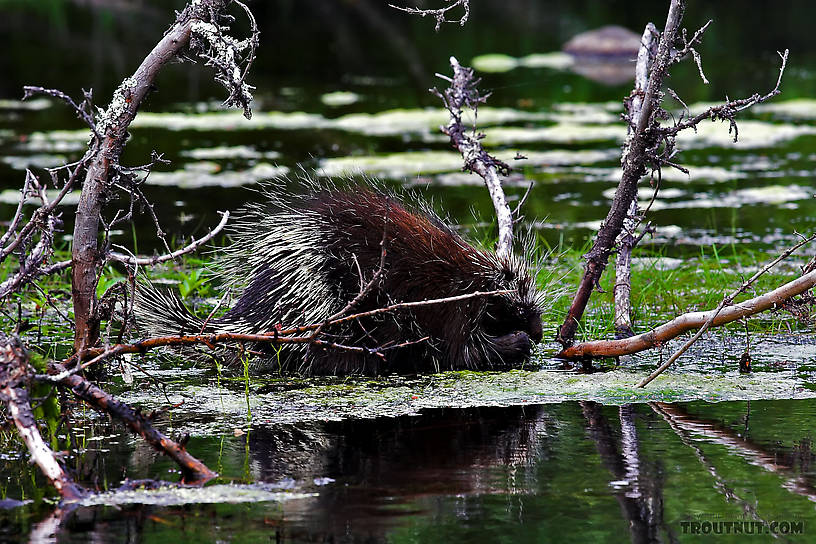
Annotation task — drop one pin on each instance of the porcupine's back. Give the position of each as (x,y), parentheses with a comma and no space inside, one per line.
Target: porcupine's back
(302,258)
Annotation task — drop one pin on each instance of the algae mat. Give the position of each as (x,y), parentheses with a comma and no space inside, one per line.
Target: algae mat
(205,409)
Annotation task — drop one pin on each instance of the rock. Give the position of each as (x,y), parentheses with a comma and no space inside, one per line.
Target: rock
(607,41)
(606,55)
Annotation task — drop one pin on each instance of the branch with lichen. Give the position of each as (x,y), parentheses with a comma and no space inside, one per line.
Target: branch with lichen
(463,94)
(200,30)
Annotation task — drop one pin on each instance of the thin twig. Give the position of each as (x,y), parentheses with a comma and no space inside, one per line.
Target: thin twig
(440,14)
(286,336)
(189,248)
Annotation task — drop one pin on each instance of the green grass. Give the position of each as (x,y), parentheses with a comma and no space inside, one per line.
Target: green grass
(660,294)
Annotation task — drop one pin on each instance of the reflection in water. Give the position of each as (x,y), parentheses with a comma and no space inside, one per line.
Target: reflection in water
(639,493)
(565,471)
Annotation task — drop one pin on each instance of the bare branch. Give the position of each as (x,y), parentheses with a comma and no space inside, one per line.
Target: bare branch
(13,377)
(727,111)
(189,248)
(726,301)
(283,336)
(634,162)
(441,14)
(194,472)
(199,26)
(463,94)
(31,262)
(84,109)
(723,314)
(688,48)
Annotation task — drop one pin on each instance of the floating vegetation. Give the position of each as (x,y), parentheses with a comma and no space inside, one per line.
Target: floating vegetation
(799,109)
(229,152)
(496,63)
(399,121)
(562,133)
(752,134)
(208,174)
(411,163)
(33,104)
(228,121)
(770,194)
(340,98)
(708,173)
(178,495)
(209,409)
(12,196)
(39,160)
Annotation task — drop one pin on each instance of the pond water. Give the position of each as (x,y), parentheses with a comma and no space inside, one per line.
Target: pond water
(342,90)
(566,472)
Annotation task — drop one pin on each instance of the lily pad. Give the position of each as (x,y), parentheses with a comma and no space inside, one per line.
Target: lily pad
(340,98)
(208,174)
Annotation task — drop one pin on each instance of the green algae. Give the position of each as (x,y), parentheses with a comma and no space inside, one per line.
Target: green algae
(498,63)
(208,409)
(179,495)
(397,165)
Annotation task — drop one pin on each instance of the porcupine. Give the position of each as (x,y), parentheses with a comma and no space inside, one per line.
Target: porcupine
(301,258)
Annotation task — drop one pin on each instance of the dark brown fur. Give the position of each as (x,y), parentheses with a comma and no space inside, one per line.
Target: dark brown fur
(342,235)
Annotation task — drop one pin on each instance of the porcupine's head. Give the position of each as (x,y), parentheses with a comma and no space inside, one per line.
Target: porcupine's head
(511,323)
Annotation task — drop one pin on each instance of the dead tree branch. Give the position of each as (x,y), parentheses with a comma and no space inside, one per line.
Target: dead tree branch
(651,145)
(441,14)
(723,314)
(189,248)
(14,377)
(634,167)
(727,300)
(282,336)
(623,270)
(194,472)
(727,111)
(201,27)
(463,94)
